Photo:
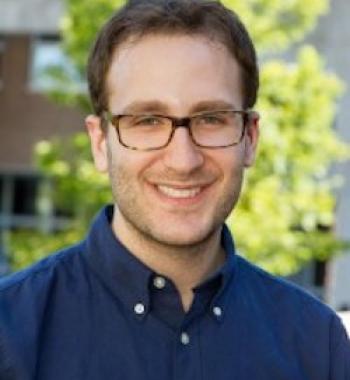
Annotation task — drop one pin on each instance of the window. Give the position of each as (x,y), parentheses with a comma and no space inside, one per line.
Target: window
(20,207)
(51,69)
(25,190)
(312,277)
(18,200)
(2,51)
(1,196)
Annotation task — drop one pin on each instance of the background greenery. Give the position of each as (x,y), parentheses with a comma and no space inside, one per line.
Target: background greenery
(286,214)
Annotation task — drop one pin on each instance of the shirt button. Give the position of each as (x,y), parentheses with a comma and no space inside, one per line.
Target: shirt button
(185,339)
(159,282)
(139,308)
(217,311)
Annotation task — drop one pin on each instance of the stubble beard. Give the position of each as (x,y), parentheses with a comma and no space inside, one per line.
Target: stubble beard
(143,228)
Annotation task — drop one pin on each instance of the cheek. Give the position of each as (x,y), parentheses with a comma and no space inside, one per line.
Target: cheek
(230,161)
(232,167)
(125,167)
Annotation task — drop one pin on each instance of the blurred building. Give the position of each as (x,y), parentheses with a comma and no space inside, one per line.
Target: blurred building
(332,39)
(345,316)
(29,43)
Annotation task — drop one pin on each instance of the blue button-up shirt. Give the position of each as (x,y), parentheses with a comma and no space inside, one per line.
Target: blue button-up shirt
(94,312)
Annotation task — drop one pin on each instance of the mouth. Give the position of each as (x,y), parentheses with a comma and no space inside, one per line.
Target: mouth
(177,193)
(181,195)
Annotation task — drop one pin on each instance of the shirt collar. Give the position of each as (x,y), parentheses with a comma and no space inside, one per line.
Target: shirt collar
(223,276)
(128,278)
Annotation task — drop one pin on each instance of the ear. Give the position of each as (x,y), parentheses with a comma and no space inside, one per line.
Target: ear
(251,139)
(98,141)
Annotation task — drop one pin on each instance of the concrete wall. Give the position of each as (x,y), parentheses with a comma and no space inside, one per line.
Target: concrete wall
(30,16)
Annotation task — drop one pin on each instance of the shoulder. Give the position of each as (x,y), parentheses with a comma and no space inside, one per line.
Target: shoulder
(289,311)
(281,297)
(25,298)
(36,278)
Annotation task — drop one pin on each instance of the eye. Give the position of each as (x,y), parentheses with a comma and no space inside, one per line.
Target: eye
(147,120)
(210,119)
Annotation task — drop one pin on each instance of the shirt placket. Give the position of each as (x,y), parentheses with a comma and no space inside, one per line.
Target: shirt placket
(187,358)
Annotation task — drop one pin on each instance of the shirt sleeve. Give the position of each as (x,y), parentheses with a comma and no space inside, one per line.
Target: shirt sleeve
(340,351)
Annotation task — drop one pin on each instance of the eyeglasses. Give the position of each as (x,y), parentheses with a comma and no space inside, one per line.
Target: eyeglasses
(212,129)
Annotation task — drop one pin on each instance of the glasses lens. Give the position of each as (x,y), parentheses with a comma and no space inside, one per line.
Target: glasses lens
(144,131)
(218,129)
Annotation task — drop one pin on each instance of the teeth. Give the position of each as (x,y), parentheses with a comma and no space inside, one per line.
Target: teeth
(179,193)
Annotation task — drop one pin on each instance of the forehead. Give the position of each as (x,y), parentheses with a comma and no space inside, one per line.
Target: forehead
(173,69)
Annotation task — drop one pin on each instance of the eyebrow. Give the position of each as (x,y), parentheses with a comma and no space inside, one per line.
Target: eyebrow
(158,107)
(212,105)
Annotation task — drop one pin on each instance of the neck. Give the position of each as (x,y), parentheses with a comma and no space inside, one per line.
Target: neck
(185,266)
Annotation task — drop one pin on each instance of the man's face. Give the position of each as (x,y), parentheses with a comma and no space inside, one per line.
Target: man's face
(179,195)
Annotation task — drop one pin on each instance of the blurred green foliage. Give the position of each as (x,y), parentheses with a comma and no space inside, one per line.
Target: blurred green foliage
(285,216)
(275,24)
(287,209)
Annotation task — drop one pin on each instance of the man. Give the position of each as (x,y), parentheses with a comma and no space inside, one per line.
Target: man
(156,290)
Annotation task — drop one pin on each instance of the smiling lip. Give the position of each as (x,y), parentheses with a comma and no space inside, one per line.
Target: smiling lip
(181,195)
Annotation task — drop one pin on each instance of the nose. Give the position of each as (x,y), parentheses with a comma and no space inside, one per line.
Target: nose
(182,155)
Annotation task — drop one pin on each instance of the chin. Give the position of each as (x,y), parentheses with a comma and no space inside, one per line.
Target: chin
(184,238)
